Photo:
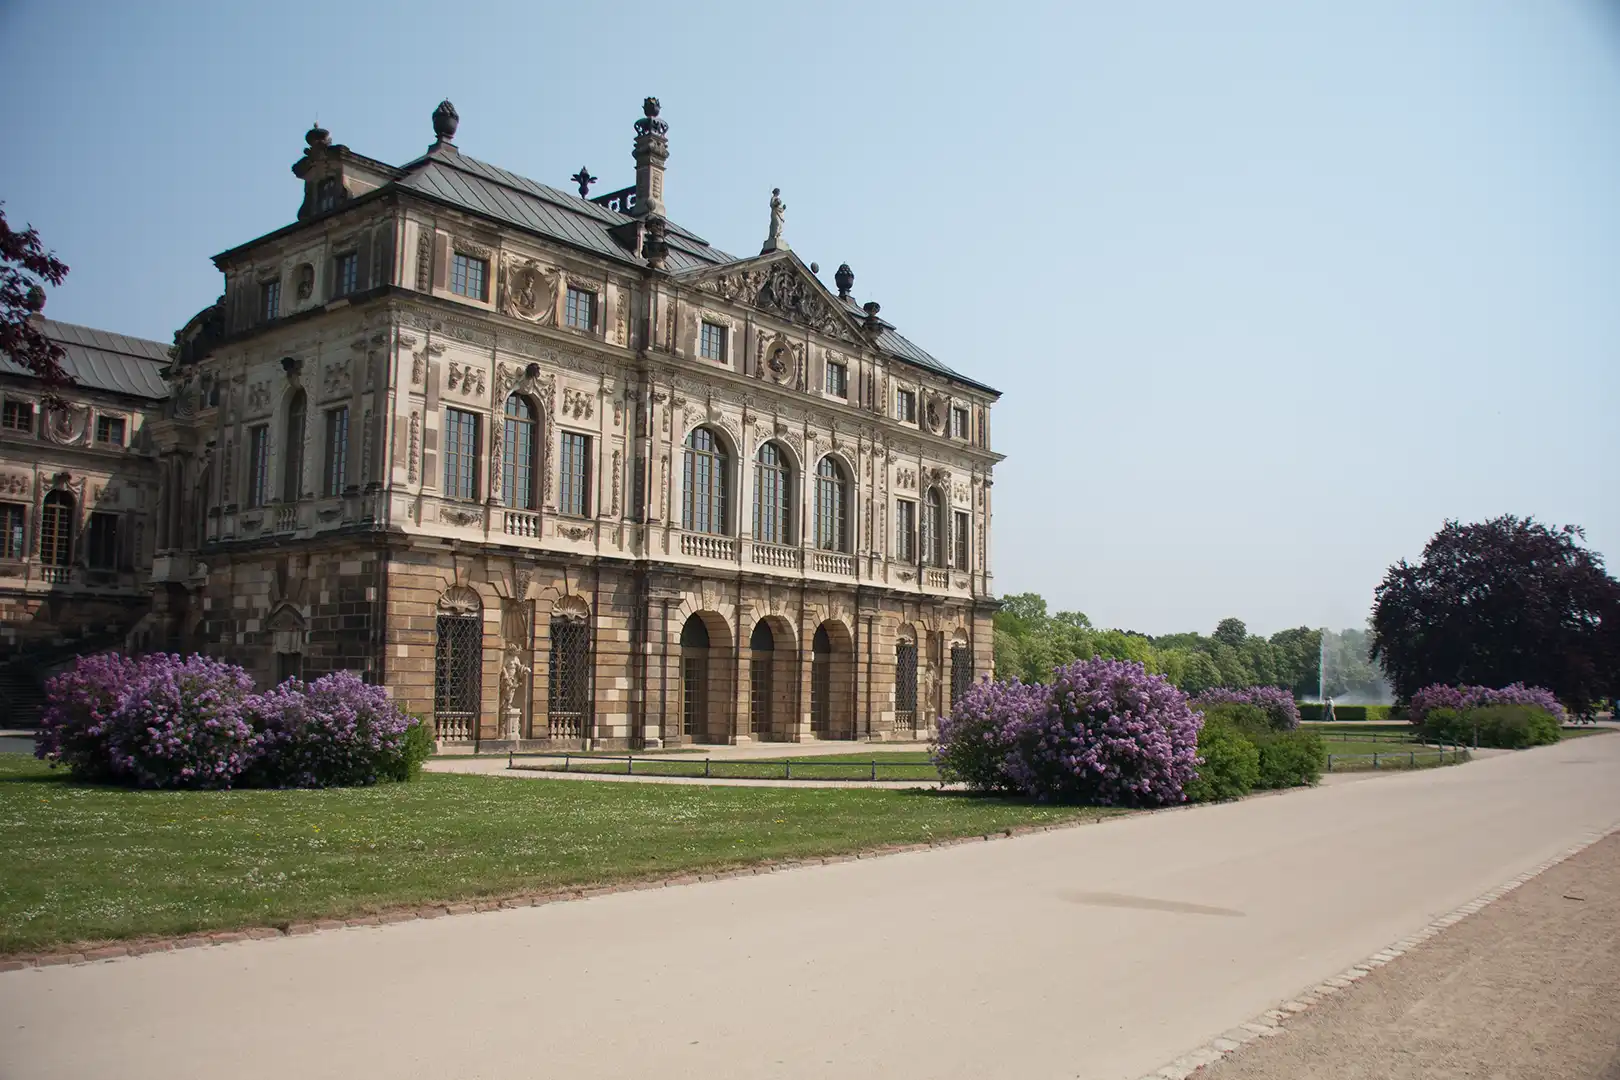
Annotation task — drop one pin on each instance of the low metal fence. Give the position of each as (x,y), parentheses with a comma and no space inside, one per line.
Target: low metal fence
(729,768)
(1398,759)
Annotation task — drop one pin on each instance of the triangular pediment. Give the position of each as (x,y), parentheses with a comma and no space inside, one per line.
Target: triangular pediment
(779,284)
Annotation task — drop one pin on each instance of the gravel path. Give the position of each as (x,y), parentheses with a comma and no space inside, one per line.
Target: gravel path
(1528,987)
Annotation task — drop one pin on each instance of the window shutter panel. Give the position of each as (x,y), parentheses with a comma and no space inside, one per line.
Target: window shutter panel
(441,261)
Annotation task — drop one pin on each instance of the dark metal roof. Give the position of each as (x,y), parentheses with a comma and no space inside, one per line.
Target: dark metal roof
(493,192)
(894,343)
(99,360)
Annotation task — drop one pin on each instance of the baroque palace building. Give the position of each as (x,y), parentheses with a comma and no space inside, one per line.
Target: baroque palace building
(558,472)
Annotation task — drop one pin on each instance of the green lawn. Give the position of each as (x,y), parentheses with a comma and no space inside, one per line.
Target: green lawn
(1583,732)
(913,765)
(81,863)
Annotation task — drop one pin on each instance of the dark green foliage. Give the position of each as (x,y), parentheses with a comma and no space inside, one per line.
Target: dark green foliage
(1229,764)
(1348,714)
(1505,601)
(1290,758)
(1311,711)
(418,747)
(1249,720)
(1506,727)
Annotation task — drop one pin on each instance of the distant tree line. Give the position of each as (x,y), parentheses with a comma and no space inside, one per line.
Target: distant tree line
(1030,643)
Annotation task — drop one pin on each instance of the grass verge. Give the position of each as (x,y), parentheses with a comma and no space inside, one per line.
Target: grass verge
(80,863)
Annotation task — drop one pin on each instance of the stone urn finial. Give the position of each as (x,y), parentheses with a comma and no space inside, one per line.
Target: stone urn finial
(317,137)
(844,278)
(445,121)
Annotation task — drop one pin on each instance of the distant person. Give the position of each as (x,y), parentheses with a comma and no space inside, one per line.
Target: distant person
(1327,710)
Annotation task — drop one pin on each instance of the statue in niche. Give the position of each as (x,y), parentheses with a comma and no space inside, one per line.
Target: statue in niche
(306,281)
(513,672)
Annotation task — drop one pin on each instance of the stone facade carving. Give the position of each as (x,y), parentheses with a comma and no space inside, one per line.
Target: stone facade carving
(621,319)
(258,398)
(530,291)
(413,449)
(335,379)
(67,425)
(15,484)
(578,404)
(455,515)
(781,288)
(617,474)
(466,379)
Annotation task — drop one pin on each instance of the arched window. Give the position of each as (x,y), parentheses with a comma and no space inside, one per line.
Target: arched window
(569,690)
(832,496)
(772,479)
(56,530)
(905,685)
(703,505)
(933,529)
(762,646)
(292,469)
(518,468)
(821,682)
(694,676)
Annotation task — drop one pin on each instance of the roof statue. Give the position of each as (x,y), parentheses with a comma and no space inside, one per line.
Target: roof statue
(584,179)
(774,240)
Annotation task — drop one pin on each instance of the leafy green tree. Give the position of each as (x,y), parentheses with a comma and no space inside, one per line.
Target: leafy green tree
(1199,673)
(1297,654)
(1231,632)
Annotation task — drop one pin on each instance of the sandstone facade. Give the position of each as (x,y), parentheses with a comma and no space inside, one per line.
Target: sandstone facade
(557,471)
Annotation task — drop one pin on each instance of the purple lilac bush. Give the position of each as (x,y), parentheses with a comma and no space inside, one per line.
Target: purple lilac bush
(80,704)
(166,722)
(1103,732)
(335,732)
(1278,704)
(1463,698)
(984,727)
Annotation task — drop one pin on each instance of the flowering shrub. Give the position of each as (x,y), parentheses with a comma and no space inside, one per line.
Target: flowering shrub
(337,731)
(1103,732)
(1277,703)
(1463,698)
(982,730)
(162,721)
(80,703)
(174,722)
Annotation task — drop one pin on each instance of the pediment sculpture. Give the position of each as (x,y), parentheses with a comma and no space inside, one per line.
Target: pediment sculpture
(781,288)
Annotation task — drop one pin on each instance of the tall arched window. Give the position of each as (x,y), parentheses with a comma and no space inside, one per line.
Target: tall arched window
(56,530)
(292,469)
(772,479)
(933,529)
(703,505)
(762,646)
(458,655)
(518,468)
(832,496)
(569,694)
(821,682)
(905,685)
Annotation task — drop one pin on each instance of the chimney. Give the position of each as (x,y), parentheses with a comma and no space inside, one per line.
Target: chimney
(652,150)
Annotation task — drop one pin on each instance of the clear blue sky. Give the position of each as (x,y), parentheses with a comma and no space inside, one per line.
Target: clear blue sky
(1271,288)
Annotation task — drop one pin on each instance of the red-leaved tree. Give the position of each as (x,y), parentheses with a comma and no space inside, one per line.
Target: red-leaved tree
(24,265)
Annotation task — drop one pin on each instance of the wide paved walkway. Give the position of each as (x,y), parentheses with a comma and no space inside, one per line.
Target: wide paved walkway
(1100,951)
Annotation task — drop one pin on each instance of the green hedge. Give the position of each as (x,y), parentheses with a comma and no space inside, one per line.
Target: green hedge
(1240,752)
(1349,714)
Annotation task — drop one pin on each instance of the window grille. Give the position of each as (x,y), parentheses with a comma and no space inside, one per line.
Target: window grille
(458,661)
(103,553)
(258,466)
(693,689)
(905,685)
(837,379)
(569,690)
(347,276)
(961,671)
(270,293)
(110,430)
(18,416)
(964,526)
(905,530)
(933,528)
